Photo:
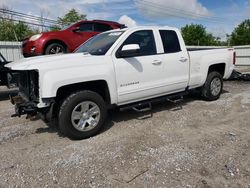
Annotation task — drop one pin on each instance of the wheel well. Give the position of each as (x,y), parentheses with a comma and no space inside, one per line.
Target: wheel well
(99,86)
(220,68)
(54,41)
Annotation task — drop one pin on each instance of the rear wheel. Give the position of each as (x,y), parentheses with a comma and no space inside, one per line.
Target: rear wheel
(213,86)
(82,115)
(55,48)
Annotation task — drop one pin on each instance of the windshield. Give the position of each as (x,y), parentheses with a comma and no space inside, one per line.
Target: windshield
(99,44)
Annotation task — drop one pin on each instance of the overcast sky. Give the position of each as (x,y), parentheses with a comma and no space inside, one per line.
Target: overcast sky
(219,16)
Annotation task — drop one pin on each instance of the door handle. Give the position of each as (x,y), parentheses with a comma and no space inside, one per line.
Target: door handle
(183,59)
(157,62)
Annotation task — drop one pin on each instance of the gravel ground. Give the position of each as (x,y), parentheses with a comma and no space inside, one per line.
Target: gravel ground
(191,144)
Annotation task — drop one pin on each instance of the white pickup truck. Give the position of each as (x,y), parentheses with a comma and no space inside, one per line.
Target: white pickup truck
(127,68)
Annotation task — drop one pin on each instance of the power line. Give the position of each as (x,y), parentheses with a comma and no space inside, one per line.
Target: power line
(15,13)
(31,19)
(11,19)
(186,12)
(26,18)
(177,12)
(180,13)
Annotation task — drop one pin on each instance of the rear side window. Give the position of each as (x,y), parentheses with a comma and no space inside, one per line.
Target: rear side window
(102,27)
(170,41)
(86,27)
(145,39)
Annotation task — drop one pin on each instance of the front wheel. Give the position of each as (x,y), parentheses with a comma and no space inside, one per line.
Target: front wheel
(213,86)
(82,115)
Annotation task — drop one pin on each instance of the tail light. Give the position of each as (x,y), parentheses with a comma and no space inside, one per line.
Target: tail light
(234,58)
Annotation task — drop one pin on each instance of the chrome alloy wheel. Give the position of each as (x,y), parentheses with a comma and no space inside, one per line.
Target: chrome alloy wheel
(85,116)
(56,50)
(215,86)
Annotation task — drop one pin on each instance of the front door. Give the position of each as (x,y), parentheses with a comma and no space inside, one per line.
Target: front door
(139,77)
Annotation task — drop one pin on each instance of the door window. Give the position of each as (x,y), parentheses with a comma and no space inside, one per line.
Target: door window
(170,41)
(145,39)
(86,27)
(102,27)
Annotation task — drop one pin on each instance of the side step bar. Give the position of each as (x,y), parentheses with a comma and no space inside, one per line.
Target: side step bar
(140,108)
(176,100)
(147,105)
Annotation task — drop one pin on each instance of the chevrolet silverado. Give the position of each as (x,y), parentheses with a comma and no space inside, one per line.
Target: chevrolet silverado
(125,68)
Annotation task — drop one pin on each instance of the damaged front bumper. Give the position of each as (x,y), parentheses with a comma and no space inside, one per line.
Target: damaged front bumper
(23,107)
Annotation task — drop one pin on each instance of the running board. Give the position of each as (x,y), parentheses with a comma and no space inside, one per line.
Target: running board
(147,105)
(176,100)
(140,108)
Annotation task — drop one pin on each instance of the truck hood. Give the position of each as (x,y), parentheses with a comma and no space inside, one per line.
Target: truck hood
(55,61)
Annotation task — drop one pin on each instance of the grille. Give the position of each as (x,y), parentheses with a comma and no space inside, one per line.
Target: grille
(24,84)
(28,85)
(34,85)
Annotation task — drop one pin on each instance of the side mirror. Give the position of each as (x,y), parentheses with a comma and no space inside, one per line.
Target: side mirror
(129,50)
(76,29)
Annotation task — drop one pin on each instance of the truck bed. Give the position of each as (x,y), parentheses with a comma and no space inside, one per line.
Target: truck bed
(199,57)
(199,48)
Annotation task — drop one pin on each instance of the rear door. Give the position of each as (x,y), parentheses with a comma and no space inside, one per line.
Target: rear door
(176,61)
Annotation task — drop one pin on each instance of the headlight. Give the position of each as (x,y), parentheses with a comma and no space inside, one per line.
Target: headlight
(35,37)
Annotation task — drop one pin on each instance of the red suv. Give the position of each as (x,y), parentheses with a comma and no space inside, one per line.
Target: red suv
(66,40)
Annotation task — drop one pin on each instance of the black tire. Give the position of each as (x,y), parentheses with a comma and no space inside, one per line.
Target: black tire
(55,48)
(207,90)
(70,104)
